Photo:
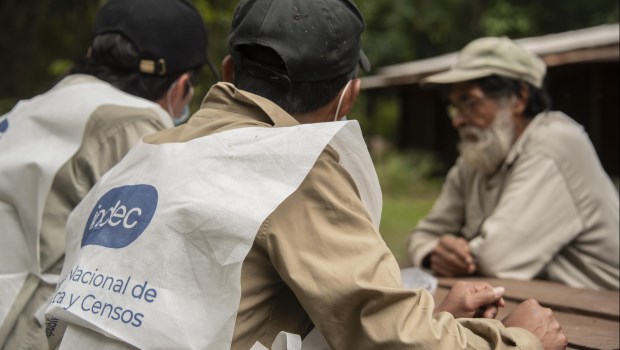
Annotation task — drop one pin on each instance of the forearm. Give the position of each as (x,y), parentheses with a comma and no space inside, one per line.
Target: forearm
(359,305)
(419,247)
(348,282)
(445,217)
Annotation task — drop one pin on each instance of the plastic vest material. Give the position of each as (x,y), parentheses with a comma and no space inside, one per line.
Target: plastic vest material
(154,251)
(37,138)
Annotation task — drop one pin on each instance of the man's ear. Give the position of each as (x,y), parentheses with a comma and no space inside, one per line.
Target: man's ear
(350,96)
(184,84)
(521,102)
(176,93)
(228,70)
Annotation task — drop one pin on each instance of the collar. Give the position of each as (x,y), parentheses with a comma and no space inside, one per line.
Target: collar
(74,79)
(520,143)
(227,97)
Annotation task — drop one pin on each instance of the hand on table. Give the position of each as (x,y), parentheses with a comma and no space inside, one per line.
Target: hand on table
(472,299)
(452,257)
(540,321)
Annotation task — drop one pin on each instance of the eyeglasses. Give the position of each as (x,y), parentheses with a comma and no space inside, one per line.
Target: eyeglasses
(467,109)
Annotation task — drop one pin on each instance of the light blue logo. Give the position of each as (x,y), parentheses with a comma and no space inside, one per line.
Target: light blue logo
(120,216)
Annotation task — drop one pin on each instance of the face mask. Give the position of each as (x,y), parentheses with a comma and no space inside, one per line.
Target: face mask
(183,118)
(340,101)
(185,113)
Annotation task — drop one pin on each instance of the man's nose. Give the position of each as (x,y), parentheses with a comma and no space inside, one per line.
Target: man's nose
(459,120)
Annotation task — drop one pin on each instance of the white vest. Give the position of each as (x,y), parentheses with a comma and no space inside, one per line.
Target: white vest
(154,251)
(37,138)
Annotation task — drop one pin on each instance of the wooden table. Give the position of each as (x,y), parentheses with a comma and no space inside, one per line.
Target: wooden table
(589,318)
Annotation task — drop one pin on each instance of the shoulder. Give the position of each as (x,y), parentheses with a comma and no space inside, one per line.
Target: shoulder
(559,138)
(328,187)
(326,201)
(110,114)
(108,102)
(329,175)
(555,132)
(112,130)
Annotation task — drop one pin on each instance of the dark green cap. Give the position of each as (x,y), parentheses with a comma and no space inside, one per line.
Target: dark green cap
(316,39)
(170,35)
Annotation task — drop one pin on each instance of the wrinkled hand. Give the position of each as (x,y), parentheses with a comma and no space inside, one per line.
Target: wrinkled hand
(540,321)
(452,257)
(472,299)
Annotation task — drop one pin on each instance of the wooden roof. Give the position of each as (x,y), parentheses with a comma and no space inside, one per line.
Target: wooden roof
(598,43)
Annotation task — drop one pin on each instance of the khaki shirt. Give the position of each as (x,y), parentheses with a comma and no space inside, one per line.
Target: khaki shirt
(550,212)
(317,260)
(110,132)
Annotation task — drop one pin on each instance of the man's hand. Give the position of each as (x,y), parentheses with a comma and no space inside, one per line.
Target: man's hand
(452,257)
(540,321)
(472,299)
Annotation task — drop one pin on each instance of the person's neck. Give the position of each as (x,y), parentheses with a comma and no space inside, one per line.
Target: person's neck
(521,125)
(318,116)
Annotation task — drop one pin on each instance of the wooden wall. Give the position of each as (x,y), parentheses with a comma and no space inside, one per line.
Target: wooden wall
(588,92)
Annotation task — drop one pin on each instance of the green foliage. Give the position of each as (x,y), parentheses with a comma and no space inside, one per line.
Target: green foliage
(59,67)
(382,119)
(407,173)
(6,104)
(409,189)
(505,18)
(35,33)
(403,30)
(40,37)
(400,215)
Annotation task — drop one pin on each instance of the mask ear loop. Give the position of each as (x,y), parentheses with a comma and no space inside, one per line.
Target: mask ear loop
(189,97)
(168,99)
(341,97)
(190,94)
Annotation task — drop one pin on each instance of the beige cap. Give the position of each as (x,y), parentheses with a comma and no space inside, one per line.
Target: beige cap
(493,55)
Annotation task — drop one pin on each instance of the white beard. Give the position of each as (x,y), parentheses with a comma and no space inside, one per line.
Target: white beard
(485,149)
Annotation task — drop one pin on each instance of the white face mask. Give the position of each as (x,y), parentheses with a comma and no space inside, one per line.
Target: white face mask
(340,101)
(178,120)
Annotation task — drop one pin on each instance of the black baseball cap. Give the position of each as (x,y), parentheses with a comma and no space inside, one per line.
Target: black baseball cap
(170,35)
(316,39)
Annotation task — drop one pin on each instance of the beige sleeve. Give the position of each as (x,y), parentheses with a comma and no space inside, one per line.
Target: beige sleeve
(109,135)
(446,217)
(324,247)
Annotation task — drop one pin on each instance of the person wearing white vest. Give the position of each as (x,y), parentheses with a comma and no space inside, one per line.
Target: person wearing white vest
(257,221)
(135,79)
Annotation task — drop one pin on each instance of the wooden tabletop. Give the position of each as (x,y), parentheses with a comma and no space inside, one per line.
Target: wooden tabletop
(590,319)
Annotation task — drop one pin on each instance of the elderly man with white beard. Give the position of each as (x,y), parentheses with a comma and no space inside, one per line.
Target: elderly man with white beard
(528,197)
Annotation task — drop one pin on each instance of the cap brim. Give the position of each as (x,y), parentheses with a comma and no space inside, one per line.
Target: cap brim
(455,76)
(364,61)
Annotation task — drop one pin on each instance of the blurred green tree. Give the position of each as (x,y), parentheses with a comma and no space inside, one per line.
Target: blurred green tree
(404,30)
(40,38)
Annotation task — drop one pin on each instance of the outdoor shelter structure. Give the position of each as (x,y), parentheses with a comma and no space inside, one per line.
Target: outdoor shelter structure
(582,80)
